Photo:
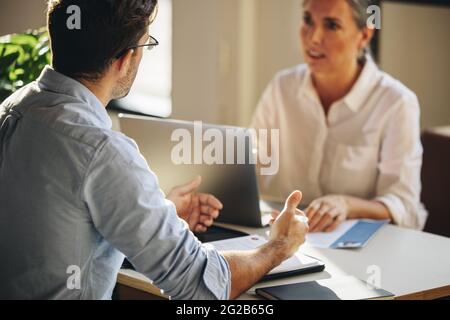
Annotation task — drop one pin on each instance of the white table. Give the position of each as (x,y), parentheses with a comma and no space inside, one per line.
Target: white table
(413,265)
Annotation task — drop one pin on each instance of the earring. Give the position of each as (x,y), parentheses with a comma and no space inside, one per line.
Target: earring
(362,55)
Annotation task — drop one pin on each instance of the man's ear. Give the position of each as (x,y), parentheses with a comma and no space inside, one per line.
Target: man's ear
(122,64)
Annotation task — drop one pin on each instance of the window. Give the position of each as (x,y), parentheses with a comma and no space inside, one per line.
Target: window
(152,90)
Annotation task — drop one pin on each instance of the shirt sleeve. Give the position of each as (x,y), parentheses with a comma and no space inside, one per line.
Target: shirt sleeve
(399,183)
(130,211)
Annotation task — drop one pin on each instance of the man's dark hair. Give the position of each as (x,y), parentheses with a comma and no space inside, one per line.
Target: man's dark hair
(108,27)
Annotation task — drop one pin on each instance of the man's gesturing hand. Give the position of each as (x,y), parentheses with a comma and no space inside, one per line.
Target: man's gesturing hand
(198,209)
(290,227)
(287,234)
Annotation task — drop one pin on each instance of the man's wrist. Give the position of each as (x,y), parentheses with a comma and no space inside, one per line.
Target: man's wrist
(276,250)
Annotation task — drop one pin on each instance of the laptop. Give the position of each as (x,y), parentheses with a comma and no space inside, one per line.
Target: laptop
(235,185)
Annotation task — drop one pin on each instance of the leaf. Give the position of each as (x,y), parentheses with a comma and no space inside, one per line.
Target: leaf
(7,61)
(24,40)
(12,76)
(18,84)
(10,48)
(7,86)
(43,51)
(44,39)
(5,39)
(19,71)
(22,58)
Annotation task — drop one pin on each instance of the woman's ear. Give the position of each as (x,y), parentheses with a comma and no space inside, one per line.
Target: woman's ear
(123,63)
(367,35)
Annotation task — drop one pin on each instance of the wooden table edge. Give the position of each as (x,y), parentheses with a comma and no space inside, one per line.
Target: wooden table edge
(147,287)
(139,284)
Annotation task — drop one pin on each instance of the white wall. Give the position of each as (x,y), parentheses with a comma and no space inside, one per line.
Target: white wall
(415,47)
(20,15)
(195,64)
(225,53)
(279,40)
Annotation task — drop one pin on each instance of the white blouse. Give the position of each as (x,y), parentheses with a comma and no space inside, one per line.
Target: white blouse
(368,146)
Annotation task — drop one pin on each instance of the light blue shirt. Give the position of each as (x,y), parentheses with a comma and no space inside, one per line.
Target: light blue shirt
(76,195)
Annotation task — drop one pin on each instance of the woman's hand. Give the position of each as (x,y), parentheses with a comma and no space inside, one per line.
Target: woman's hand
(327,213)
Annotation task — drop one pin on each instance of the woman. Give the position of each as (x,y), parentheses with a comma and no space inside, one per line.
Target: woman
(349,133)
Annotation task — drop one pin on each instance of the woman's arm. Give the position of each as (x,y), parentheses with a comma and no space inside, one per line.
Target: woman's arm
(398,186)
(326,213)
(399,182)
(367,209)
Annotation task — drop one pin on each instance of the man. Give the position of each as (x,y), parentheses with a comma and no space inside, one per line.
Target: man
(76,197)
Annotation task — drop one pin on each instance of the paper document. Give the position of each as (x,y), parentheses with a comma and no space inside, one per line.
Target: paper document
(298,261)
(350,234)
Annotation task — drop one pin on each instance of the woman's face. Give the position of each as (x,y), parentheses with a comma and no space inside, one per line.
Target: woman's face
(331,40)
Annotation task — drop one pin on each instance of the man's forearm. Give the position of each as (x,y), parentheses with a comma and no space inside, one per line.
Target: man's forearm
(248,267)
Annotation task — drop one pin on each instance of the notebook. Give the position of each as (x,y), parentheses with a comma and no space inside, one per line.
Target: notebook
(336,288)
(296,265)
(216,233)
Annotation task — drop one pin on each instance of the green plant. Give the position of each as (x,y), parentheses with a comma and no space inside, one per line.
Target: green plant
(22,58)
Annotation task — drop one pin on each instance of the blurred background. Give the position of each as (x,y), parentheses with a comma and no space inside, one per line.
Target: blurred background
(217,56)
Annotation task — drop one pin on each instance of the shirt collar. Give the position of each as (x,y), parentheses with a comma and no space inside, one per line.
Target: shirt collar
(357,95)
(51,80)
(307,87)
(362,88)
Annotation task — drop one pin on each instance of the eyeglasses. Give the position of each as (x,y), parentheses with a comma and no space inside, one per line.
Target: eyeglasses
(150,45)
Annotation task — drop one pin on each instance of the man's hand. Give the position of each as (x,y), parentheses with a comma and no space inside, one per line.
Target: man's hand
(327,213)
(288,232)
(198,209)
(290,227)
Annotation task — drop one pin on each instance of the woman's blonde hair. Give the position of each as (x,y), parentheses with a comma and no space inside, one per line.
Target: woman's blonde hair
(360,14)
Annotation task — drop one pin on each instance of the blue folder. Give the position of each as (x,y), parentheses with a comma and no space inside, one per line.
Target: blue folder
(358,235)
